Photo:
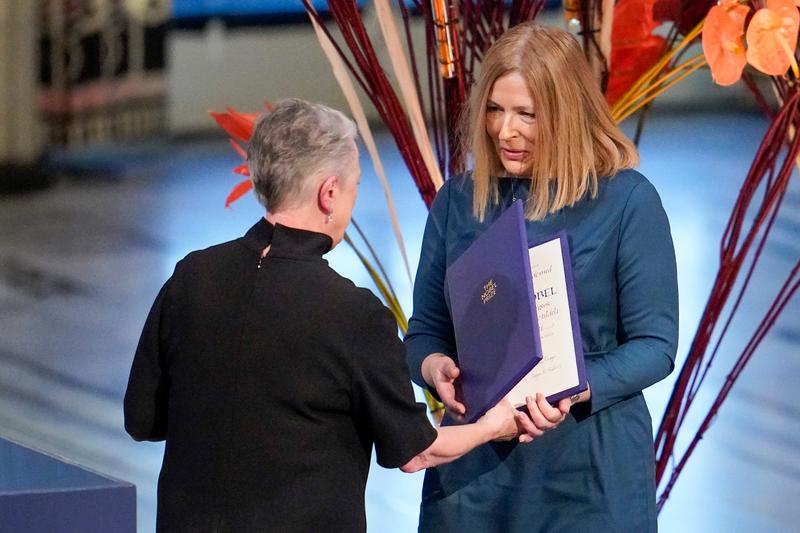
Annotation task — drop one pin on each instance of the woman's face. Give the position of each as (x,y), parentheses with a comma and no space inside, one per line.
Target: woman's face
(511,123)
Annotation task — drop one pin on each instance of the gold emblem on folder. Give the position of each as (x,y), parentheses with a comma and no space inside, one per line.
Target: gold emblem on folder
(489,290)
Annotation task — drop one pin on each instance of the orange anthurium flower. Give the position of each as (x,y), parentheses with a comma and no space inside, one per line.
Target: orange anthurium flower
(772,38)
(722,42)
(738,12)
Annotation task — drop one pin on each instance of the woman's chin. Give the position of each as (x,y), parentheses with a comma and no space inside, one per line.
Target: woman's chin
(518,169)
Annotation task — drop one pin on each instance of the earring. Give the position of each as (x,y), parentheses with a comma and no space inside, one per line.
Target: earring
(329,218)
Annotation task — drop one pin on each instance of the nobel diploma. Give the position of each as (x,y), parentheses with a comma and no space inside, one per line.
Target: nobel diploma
(560,371)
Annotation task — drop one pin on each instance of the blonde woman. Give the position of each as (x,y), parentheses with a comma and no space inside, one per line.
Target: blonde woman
(540,131)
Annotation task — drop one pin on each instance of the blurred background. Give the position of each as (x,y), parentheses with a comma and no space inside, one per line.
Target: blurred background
(111,170)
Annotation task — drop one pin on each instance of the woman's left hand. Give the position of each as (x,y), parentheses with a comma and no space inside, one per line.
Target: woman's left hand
(541,417)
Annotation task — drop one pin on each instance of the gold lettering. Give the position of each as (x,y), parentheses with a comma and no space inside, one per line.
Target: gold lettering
(489,290)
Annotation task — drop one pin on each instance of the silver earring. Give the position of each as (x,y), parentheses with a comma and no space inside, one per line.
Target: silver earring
(329,218)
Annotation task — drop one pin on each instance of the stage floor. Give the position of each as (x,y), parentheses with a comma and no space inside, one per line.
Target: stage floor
(80,264)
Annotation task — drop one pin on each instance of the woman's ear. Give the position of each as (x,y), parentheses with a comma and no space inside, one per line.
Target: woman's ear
(326,194)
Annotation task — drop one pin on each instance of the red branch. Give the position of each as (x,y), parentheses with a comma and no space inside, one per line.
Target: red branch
(368,71)
(784,296)
(733,253)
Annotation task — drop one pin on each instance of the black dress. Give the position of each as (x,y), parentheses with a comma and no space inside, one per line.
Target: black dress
(270,381)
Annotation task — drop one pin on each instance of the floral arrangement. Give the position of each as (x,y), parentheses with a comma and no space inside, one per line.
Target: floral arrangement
(643,64)
(636,62)
(766,39)
(240,128)
(736,34)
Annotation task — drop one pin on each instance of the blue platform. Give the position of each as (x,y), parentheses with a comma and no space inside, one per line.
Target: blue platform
(39,492)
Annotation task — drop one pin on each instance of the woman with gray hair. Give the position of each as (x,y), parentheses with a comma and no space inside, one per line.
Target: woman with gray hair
(270,376)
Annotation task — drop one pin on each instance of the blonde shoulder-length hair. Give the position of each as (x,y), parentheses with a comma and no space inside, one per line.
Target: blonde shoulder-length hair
(577,141)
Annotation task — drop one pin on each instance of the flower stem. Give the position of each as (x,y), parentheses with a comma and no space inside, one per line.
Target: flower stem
(789,52)
(666,81)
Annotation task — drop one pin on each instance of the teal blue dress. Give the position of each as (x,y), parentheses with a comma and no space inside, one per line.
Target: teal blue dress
(595,472)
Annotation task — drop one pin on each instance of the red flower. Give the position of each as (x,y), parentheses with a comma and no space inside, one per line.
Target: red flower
(633,49)
(241,188)
(239,126)
(630,63)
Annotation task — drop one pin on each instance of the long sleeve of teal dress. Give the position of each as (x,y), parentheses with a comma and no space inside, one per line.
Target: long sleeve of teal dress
(595,472)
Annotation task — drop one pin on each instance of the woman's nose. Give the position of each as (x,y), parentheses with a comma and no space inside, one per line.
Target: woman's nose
(507,128)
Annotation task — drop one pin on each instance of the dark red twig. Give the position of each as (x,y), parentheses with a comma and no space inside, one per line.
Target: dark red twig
(786,293)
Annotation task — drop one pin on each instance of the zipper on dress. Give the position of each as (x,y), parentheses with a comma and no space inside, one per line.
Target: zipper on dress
(263,255)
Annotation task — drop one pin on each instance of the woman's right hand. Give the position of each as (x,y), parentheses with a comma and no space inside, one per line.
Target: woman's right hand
(440,372)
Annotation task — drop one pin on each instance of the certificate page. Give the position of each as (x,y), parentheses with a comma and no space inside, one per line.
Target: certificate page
(558,370)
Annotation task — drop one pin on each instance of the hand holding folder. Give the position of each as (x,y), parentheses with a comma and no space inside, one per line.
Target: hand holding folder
(442,373)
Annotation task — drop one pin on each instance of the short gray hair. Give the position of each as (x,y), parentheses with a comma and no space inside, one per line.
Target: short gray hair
(292,145)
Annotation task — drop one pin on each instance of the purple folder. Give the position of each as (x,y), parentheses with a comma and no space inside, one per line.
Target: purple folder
(493,312)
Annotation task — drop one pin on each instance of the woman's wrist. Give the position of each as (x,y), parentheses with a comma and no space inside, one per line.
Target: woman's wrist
(488,430)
